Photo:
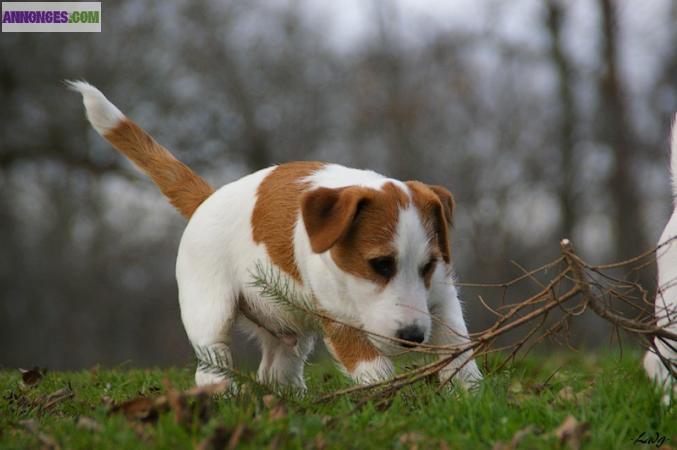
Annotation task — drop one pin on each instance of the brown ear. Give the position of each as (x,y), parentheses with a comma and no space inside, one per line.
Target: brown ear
(329,213)
(437,202)
(447,200)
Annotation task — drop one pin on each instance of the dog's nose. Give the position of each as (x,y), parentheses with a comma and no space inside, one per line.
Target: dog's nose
(411,333)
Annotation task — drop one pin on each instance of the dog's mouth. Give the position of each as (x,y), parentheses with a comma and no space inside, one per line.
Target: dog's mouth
(408,344)
(393,347)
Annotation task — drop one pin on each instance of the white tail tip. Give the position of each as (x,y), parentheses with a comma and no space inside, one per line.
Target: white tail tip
(102,114)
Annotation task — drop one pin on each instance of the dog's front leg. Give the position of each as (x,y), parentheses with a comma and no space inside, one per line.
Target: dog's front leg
(359,358)
(449,329)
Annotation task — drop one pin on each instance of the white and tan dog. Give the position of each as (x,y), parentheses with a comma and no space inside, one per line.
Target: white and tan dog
(660,362)
(370,251)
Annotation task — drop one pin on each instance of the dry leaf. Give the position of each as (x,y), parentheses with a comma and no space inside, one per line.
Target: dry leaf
(320,443)
(216,441)
(566,394)
(516,439)
(241,431)
(276,407)
(87,423)
(412,438)
(269,400)
(46,440)
(278,412)
(140,408)
(444,446)
(32,377)
(183,414)
(572,432)
(147,409)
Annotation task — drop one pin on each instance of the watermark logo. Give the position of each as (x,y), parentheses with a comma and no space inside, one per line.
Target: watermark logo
(51,17)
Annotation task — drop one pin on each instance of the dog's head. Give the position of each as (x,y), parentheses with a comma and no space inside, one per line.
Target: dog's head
(383,248)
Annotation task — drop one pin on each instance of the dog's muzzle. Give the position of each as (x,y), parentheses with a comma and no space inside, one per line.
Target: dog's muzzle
(411,333)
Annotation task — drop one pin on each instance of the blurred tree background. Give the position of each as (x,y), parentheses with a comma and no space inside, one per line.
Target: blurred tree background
(546,119)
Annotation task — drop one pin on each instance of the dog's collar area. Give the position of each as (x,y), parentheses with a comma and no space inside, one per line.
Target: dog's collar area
(286,336)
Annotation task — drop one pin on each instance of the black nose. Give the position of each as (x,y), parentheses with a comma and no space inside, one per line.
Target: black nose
(411,333)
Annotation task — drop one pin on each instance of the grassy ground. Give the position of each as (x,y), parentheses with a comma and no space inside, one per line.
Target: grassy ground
(526,402)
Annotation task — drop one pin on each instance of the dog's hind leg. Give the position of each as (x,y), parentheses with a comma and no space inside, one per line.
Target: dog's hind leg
(208,311)
(282,357)
(287,361)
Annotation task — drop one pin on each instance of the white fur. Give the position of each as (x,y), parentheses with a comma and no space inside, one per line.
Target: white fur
(102,114)
(666,297)
(217,255)
(373,371)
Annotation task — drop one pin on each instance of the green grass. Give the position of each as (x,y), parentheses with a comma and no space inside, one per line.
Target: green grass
(610,393)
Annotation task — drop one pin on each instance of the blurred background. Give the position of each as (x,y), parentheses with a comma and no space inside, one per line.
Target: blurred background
(546,119)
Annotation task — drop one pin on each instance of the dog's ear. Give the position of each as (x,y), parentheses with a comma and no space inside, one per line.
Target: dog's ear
(444,220)
(437,204)
(329,213)
(447,201)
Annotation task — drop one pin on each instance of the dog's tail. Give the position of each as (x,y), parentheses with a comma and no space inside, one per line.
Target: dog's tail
(184,188)
(673,157)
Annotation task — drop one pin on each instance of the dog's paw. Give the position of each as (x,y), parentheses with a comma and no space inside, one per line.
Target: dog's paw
(468,376)
(206,378)
(373,371)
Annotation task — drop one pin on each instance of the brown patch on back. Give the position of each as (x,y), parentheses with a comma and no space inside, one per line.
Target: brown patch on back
(185,189)
(276,211)
(435,205)
(372,233)
(349,345)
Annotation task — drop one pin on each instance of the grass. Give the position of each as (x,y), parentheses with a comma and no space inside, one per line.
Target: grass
(610,393)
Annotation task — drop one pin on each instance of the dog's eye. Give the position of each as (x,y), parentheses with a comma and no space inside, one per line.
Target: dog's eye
(428,268)
(384,266)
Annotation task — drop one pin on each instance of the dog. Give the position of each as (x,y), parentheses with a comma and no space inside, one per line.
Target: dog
(373,253)
(660,361)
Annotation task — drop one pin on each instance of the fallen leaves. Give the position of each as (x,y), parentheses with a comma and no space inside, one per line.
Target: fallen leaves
(32,377)
(516,439)
(412,439)
(184,404)
(46,440)
(26,402)
(144,409)
(572,432)
(87,423)
(225,438)
(568,395)
(276,408)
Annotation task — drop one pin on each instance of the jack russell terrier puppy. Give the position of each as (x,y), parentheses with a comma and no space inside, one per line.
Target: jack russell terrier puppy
(370,251)
(660,362)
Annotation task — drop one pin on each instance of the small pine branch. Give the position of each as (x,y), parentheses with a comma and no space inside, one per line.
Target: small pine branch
(277,287)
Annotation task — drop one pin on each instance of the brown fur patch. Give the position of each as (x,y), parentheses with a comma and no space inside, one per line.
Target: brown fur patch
(276,210)
(185,189)
(348,345)
(435,205)
(372,233)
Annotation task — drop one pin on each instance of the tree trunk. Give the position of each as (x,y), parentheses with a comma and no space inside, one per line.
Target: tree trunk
(615,129)
(566,122)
